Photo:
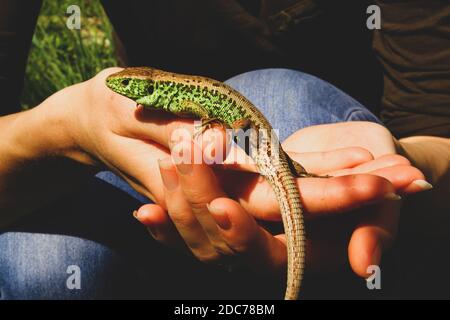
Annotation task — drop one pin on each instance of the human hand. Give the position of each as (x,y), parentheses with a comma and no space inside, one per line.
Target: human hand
(129,142)
(105,129)
(225,228)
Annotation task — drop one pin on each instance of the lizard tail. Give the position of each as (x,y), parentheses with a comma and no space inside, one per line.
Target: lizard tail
(282,181)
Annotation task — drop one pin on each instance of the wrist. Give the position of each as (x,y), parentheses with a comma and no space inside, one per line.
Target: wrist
(33,169)
(58,118)
(36,134)
(39,133)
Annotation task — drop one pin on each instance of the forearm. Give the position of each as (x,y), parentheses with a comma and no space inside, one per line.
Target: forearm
(432,156)
(35,162)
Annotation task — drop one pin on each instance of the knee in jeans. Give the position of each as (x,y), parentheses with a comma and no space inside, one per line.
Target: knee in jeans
(41,266)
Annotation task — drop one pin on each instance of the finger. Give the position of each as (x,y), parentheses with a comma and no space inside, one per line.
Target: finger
(136,161)
(169,130)
(156,125)
(418,185)
(372,237)
(343,134)
(258,248)
(397,169)
(326,244)
(172,132)
(166,129)
(316,162)
(326,161)
(159,225)
(405,179)
(319,196)
(199,186)
(180,213)
(378,163)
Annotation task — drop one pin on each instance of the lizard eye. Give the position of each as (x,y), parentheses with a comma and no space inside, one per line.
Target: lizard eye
(150,89)
(125,82)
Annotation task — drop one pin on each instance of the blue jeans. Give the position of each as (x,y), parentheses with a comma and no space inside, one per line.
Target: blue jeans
(113,255)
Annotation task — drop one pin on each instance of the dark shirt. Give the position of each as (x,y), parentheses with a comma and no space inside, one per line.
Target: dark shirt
(401,72)
(219,39)
(413,48)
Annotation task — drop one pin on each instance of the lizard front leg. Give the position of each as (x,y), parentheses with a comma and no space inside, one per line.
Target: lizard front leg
(191,109)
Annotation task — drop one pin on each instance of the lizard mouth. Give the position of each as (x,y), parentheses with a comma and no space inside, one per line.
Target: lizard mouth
(118,85)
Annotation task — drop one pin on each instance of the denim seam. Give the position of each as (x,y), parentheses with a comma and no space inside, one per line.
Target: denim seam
(355,111)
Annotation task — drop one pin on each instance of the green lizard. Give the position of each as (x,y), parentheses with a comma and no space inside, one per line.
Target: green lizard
(211,100)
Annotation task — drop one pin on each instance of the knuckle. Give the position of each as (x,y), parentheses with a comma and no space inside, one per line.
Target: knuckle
(367,186)
(395,159)
(242,247)
(223,249)
(197,205)
(361,154)
(184,219)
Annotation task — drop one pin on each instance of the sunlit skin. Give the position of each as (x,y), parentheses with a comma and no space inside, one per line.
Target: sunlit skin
(211,100)
(97,128)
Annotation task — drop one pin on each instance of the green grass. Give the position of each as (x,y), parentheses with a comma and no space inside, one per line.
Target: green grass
(60,57)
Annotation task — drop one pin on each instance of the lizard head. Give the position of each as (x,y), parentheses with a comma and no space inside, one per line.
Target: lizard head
(135,83)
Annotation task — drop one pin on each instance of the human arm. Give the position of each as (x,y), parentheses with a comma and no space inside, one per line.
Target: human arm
(432,156)
(48,151)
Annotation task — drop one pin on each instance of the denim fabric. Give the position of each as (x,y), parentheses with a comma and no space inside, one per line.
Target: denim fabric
(94,229)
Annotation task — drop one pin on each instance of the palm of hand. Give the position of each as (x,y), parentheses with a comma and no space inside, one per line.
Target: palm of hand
(371,136)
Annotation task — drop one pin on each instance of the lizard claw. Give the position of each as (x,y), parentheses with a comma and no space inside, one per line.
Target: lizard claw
(207,124)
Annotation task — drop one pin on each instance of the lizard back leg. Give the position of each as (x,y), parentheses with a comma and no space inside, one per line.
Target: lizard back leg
(206,124)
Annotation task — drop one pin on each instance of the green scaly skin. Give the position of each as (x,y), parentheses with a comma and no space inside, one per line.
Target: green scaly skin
(204,98)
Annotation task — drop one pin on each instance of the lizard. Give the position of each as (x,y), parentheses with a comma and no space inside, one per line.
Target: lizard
(211,100)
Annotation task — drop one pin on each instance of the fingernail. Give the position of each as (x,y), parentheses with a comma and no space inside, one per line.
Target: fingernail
(220,216)
(152,232)
(184,168)
(422,184)
(376,255)
(392,196)
(150,229)
(165,163)
(168,176)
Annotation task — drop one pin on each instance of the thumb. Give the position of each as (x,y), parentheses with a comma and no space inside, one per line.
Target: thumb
(260,250)
(373,237)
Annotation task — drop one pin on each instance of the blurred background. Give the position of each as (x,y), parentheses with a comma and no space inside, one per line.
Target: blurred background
(60,57)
